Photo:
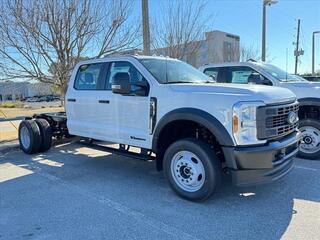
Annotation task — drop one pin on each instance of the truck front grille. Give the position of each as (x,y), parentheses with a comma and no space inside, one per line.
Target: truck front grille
(276,121)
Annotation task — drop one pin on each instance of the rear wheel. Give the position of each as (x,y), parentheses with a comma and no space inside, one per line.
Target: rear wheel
(310,144)
(46,134)
(192,169)
(29,136)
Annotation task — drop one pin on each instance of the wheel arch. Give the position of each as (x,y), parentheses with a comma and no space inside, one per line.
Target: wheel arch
(190,115)
(309,108)
(309,101)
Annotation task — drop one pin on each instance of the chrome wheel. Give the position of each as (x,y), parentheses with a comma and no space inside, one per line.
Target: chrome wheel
(187,171)
(25,137)
(310,140)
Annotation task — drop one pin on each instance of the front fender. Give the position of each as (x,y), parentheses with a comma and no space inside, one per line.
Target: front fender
(198,116)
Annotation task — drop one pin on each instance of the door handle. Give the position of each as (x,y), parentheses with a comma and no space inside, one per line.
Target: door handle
(71,100)
(104,101)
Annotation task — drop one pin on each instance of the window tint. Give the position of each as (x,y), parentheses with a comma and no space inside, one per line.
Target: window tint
(88,76)
(212,72)
(240,74)
(116,67)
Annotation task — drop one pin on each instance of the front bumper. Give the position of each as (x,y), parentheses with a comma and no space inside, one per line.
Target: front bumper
(262,164)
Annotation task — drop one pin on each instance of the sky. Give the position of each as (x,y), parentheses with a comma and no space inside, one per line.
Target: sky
(244,18)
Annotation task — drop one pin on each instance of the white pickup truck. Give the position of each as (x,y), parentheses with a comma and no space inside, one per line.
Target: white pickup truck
(308,94)
(192,127)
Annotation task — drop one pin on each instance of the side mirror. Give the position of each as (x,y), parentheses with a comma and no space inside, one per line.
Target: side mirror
(255,78)
(121,83)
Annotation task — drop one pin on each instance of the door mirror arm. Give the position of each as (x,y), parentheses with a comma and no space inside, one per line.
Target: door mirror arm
(143,88)
(265,81)
(142,84)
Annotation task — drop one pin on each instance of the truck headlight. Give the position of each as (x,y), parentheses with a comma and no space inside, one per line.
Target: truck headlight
(244,125)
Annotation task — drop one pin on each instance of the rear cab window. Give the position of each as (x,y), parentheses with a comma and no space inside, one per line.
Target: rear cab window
(89,76)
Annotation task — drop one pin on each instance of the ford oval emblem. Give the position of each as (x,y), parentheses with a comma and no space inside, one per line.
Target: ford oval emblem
(292,117)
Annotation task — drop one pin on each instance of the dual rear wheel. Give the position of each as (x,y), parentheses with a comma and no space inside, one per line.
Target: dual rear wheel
(35,136)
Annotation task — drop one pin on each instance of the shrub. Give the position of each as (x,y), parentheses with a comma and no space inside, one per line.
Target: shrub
(11,105)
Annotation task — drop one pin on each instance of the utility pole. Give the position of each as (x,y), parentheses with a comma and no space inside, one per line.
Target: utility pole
(263,57)
(296,52)
(313,49)
(145,27)
(264,13)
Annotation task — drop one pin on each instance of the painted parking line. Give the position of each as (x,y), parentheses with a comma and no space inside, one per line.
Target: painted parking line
(306,168)
(11,119)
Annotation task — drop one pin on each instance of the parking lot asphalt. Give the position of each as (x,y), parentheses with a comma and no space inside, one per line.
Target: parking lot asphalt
(75,192)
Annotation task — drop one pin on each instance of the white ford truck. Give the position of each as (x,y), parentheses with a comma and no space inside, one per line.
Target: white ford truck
(308,94)
(192,127)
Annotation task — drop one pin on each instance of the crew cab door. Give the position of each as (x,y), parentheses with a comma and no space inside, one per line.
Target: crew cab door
(82,100)
(131,112)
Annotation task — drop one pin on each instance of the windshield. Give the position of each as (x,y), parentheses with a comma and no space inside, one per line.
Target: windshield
(279,74)
(174,71)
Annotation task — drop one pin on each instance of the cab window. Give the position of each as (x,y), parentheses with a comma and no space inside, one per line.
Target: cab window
(213,72)
(135,75)
(242,75)
(88,76)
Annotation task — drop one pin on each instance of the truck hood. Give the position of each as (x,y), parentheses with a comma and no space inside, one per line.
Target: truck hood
(243,92)
(303,89)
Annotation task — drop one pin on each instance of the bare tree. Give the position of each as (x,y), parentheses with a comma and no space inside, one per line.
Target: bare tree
(43,40)
(179,28)
(252,52)
(249,52)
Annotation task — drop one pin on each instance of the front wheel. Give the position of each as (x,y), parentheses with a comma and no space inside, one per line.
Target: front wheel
(192,169)
(310,134)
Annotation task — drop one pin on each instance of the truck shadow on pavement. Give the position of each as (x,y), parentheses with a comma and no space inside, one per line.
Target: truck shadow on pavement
(79,181)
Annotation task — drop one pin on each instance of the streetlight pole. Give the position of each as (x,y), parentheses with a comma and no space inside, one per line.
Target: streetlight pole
(264,13)
(313,50)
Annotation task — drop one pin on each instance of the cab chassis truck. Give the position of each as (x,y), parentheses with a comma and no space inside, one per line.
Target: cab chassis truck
(191,126)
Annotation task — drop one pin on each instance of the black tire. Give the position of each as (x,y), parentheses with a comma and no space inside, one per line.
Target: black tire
(46,134)
(314,124)
(31,128)
(210,162)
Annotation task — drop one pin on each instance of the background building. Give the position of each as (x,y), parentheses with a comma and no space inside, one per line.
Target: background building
(14,91)
(217,47)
